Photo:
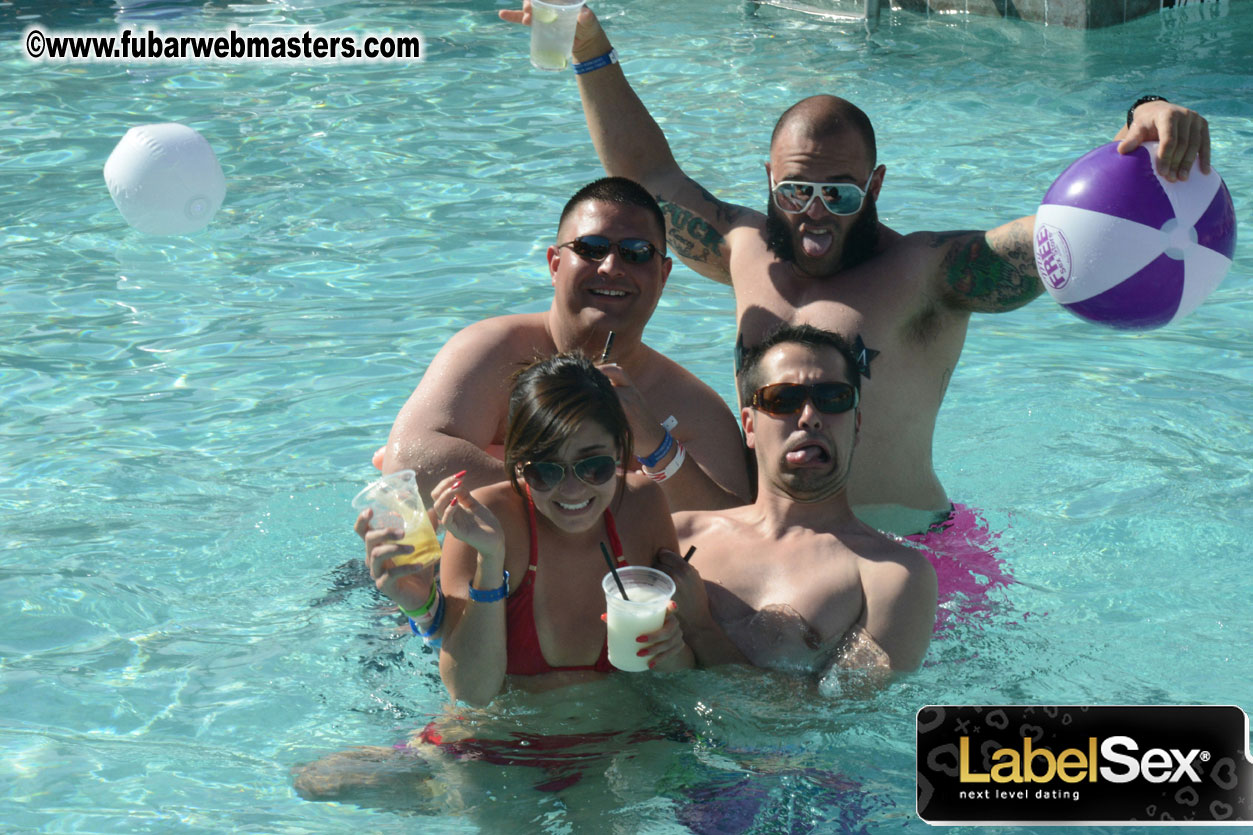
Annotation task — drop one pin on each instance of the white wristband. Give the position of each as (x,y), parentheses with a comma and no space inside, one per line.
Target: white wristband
(672,467)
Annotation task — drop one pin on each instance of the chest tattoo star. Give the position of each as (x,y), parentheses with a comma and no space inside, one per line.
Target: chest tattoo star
(864,355)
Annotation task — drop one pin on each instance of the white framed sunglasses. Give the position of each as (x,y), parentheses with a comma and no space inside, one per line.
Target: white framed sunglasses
(796,196)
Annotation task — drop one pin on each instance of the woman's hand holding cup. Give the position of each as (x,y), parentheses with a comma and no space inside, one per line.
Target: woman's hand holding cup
(408,586)
(665,648)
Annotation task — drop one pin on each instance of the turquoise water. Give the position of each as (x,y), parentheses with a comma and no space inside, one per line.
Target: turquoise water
(186,419)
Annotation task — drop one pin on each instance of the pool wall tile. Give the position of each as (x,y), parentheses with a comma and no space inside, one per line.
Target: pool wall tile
(1139,8)
(1072,14)
(1034,10)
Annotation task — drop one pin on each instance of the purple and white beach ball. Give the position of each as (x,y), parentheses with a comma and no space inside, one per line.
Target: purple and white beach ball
(1118,245)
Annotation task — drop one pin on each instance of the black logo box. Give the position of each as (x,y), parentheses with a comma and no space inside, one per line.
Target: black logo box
(1211,740)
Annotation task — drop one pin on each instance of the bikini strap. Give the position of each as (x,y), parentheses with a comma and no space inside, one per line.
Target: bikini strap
(611,530)
(534,530)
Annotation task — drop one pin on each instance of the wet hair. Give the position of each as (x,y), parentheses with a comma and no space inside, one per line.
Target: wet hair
(620,192)
(822,116)
(749,376)
(550,400)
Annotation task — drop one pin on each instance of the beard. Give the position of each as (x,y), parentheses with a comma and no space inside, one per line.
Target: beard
(860,242)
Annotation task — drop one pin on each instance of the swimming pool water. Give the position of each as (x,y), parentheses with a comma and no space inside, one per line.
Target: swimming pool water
(186,419)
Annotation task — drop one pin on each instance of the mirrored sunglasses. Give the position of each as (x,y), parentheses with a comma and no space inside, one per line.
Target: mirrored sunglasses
(789,398)
(796,196)
(546,475)
(596,248)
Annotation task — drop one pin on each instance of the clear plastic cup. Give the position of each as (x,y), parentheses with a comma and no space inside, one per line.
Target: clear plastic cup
(648,594)
(397,503)
(552,32)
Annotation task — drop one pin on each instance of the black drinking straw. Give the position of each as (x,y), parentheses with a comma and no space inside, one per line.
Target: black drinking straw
(604,355)
(614,571)
(688,556)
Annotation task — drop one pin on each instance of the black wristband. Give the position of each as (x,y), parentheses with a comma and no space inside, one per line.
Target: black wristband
(1142,100)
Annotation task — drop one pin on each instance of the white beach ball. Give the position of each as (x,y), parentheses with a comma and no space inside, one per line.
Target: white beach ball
(165,179)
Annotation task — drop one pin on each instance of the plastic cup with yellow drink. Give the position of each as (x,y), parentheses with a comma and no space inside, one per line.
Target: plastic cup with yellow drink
(552,32)
(396,503)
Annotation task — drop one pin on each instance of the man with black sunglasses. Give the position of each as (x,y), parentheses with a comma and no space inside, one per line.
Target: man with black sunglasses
(795,581)
(608,267)
(818,254)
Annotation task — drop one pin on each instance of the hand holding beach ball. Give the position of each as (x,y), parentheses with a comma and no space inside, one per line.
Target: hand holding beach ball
(1119,245)
(165,179)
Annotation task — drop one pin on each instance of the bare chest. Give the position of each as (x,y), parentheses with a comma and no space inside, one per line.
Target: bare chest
(566,606)
(870,304)
(902,338)
(568,598)
(789,613)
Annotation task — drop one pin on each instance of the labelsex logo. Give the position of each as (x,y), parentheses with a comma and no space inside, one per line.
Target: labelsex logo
(1039,765)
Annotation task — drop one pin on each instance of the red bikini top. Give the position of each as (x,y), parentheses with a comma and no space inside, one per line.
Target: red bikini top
(524,656)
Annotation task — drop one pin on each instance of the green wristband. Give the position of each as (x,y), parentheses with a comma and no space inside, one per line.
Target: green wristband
(430,601)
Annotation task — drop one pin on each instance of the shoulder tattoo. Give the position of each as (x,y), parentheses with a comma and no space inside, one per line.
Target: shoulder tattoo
(863,355)
(724,213)
(939,239)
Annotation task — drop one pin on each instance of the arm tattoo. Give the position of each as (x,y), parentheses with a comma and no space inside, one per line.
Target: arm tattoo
(987,273)
(691,236)
(724,213)
(697,232)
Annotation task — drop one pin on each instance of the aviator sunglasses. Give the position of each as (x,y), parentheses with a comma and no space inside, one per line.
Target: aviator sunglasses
(596,248)
(789,398)
(796,196)
(546,475)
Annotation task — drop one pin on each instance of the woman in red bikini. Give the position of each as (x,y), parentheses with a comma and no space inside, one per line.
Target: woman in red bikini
(521,593)
(521,570)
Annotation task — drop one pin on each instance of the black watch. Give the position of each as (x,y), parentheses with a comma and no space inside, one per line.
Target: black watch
(1142,100)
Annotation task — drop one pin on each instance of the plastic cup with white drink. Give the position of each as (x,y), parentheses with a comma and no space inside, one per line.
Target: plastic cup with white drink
(648,593)
(552,32)
(396,503)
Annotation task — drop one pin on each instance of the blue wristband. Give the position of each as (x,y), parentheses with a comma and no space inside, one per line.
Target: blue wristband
(610,57)
(659,453)
(493,595)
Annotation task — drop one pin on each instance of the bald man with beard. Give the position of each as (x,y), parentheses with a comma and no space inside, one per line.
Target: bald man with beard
(819,255)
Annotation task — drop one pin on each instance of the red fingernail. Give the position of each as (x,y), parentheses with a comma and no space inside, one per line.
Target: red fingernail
(453,503)
(643,639)
(652,664)
(642,653)
(460,474)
